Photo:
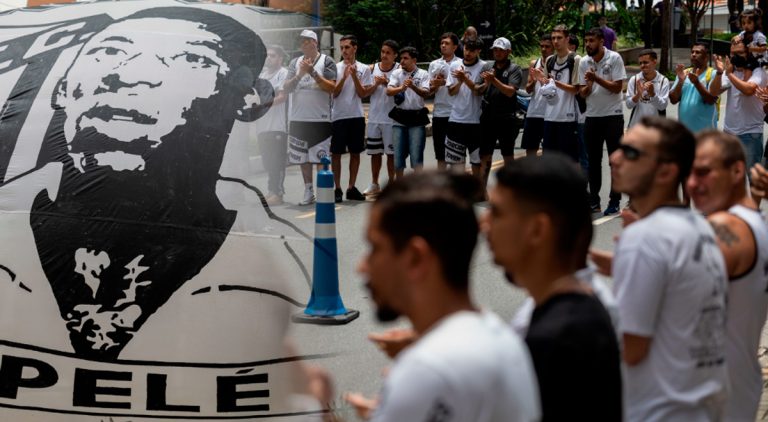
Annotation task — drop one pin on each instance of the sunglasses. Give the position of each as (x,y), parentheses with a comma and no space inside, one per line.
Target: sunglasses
(630,153)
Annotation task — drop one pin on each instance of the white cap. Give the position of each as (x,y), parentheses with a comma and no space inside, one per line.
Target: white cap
(308,34)
(502,43)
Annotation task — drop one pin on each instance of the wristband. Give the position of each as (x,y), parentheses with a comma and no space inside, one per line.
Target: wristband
(313,73)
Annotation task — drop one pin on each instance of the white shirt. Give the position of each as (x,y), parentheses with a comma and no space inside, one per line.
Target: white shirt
(470,367)
(600,101)
(747,307)
(275,118)
(381,103)
(537,105)
(647,106)
(348,104)
(309,103)
(442,104)
(466,106)
(744,114)
(670,284)
(413,101)
(562,107)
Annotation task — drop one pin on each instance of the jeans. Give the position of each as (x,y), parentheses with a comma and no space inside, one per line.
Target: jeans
(753,148)
(608,129)
(409,141)
(274,153)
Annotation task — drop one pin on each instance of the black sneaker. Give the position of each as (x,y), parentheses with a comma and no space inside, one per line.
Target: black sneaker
(595,208)
(339,195)
(354,195)
(613,209)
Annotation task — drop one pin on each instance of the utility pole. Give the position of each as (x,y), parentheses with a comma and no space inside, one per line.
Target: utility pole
(666,39)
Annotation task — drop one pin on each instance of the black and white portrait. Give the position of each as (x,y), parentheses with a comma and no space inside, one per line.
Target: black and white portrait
(124,238)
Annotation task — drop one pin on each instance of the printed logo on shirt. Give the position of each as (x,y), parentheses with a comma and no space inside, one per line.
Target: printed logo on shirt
(440,412)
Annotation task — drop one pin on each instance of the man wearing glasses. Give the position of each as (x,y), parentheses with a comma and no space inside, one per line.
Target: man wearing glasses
(670,282)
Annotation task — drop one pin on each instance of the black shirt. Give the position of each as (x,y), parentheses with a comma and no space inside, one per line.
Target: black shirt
(576,357)
(496,105)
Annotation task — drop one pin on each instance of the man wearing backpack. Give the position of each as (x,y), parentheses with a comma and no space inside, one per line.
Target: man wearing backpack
(648,91)
(697,89)
(559,88)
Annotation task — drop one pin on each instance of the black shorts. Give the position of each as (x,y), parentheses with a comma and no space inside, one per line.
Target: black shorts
(462,139)
(308,142)
(504,131)
(533,133)
(348,136)
(439,129)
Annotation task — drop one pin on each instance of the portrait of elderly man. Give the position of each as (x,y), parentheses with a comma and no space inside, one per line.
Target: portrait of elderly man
(121,242)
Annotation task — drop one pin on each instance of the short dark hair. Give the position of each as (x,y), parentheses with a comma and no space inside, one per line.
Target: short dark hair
(573,40)
(553,184)
(473,44)
(676,143)
(648,52)
(595,32)
(392,44)
(438,207)
(701,44)
(755,15)
(546,37)
(411,51)
(562,29)
(351,38)
(453,37)
(731,148)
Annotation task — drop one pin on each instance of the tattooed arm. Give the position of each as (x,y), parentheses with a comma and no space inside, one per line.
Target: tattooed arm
(736,242)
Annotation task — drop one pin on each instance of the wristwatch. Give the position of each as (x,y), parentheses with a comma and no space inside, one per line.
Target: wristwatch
(313,73)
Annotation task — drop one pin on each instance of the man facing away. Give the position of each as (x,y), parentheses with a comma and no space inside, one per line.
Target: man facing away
(439,70)
(539,228)
(601,76)
(347,116)
(379,123)
(311,81)
(466,365)
(716,186)
(670,283)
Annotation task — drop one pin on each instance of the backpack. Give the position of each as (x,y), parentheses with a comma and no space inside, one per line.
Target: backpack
(570,63)
(707,80)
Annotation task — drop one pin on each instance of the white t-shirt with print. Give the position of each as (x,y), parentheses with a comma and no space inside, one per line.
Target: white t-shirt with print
(602,102)
(381,103)
(466,106)
(743,114)
(562,107)
(470,367)
(747,307)
(537,105)
(670,284)
(413,101)
(348,104)
(309,102)
(275,119)
(442,103)
(647,106)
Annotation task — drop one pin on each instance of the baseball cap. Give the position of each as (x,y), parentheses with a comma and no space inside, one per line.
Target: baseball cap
(502,43)
(308,34)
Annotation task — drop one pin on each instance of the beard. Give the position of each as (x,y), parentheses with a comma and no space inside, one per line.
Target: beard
(386,314)
(115,246)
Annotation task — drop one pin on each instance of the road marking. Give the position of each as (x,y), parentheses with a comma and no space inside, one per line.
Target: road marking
(603,220)
(312,213)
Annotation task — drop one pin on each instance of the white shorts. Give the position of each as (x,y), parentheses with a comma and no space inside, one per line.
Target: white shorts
(380,139)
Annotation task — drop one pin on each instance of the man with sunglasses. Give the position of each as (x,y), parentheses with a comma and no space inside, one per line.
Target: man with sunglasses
(670,282)
(716,186)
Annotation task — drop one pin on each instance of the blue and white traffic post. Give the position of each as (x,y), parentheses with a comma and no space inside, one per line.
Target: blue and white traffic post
(325,305)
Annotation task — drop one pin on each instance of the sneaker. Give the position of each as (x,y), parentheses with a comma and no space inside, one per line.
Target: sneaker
(372,190)
(309,197)
(354,195)
(338,195)
(595,208)
(613,209)
(274,199)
